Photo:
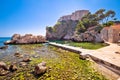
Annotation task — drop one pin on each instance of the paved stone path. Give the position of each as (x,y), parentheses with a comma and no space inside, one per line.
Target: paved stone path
(106,54)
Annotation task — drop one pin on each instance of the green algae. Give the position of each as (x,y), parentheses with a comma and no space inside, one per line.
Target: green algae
(62,65)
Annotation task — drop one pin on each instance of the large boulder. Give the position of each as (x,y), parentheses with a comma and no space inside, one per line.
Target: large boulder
(40,68)
(26,39)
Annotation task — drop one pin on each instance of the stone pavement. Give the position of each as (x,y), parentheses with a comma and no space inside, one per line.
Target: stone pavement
(108,56)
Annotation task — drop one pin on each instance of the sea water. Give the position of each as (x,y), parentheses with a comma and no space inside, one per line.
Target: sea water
(3,39)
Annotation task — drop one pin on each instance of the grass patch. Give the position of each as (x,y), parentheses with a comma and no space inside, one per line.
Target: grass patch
(85,45)
(88,45)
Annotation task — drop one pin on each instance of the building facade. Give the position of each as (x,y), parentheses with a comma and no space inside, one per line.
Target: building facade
(111,34)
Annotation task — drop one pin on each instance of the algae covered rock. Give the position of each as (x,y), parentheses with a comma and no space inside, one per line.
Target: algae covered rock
(40,68)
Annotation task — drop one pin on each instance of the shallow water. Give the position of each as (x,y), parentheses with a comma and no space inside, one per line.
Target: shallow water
(62,64)
(3,39)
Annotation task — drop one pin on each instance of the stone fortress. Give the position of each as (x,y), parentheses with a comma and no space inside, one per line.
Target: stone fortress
(77,15)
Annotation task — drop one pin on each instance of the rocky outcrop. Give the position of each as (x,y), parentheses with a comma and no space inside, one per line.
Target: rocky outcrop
(26,39)
(62,30)
(65,29)
(77,15)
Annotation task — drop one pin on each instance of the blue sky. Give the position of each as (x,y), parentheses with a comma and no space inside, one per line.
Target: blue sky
(32,16)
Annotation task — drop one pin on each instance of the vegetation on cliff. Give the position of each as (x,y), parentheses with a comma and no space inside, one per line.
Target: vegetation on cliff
(85,29)
(100,19)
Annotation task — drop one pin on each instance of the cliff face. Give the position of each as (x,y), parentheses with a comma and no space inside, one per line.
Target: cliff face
(65,27)
(77,15)
(62,30)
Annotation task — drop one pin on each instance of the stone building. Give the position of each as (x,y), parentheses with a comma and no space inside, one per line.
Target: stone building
(111,34)
(77,15)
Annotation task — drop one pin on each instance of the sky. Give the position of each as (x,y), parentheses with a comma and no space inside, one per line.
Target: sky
(32,16)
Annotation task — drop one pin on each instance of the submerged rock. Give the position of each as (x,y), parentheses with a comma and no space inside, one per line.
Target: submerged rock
(18,54)
(40,68)
(4,47)
(13,67)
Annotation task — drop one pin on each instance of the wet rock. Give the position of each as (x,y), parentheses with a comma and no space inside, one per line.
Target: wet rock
(40,68)
(23,64)
(3,65)
(3,72)
(4,47)
(26,60)
(18,54)
(13,67)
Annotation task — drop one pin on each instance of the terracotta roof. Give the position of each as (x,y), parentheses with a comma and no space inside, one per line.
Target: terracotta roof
(116,26)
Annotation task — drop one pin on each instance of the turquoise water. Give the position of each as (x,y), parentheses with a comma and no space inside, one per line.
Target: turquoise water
(3,39)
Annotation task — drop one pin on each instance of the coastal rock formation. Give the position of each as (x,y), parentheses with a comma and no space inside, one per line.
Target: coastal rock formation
(65,29)
(26,39)
(62,30)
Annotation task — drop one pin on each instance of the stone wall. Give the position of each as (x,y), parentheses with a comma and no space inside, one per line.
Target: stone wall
(77,15)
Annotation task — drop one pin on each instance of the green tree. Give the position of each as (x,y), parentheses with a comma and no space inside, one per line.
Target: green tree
(109,15)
